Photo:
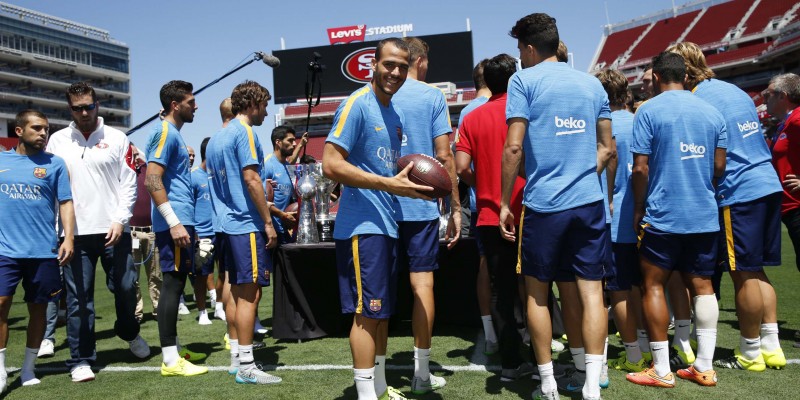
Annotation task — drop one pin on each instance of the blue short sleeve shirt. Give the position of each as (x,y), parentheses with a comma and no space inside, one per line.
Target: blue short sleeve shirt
(165,146)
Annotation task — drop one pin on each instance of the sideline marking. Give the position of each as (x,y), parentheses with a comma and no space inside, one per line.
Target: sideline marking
(268,367)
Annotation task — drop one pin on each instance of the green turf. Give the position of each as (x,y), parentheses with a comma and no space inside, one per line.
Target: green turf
(453,346)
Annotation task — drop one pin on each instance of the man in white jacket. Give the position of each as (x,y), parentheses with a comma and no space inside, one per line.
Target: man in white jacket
(104,190)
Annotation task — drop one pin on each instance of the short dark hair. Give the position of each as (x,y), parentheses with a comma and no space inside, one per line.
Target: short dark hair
(562,54)
(477,74)
(498,71)
(416,48)
(670,67)
(538,30)
(203,145)
(616,86)
(280,132)
(22,118)
(397,42)
(307,159)
(246,94)
(174,91)
(80,89)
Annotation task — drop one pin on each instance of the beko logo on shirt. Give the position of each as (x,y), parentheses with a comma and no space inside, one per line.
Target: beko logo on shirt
(19,191)
(694,150)
(574,125)
(748,128)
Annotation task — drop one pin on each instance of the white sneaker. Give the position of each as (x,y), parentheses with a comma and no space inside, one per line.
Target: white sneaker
(139,347)
(31,382)
(3,380)
(219,313)
(203,319)
(46,349)
(556,346)
(420,386)
(182,309)
(258,328)
(82,373)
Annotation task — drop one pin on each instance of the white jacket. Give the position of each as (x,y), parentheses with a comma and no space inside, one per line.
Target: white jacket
(103,184)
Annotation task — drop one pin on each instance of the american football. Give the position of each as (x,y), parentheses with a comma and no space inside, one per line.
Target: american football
(427,171)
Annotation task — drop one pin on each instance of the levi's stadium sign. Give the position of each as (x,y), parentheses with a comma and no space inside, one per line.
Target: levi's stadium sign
(356,33)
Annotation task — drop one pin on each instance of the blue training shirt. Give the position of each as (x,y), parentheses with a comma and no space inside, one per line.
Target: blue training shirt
(217,205)
(370,133)
(203,210)
(31,189)
(621,222)
(431,120)
(165,146)
(227,153)
(562,106)
(749,173)
(475,103)
(278,172)
(680,133)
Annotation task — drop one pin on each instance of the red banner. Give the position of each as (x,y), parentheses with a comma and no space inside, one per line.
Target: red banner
(347,34)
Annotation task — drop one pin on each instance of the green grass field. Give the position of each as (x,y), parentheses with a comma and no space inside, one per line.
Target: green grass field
(319,369)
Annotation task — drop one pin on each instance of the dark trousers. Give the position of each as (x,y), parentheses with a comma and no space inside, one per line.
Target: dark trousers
(792,221)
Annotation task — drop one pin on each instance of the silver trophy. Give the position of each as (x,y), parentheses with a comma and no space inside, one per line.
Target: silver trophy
(306,190)
(325,187)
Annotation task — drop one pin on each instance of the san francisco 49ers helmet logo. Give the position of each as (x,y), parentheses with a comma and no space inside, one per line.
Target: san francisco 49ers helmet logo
(357,66)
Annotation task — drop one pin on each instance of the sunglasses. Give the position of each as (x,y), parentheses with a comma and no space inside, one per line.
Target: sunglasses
(88,107)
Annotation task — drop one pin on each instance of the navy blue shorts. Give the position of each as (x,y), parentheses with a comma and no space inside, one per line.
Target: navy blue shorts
(208,267)
(41,278)
(694,253)
(247,259)
(367,266)
(172,261)
(556,246)
(751,234)
(624,271)
(418,245)
(220,247)
(476,233)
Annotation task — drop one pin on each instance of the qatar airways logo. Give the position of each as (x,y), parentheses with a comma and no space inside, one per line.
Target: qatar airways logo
(389,158)
(571,125)
(748,128)
(357,66)
(20,191)
(695,151)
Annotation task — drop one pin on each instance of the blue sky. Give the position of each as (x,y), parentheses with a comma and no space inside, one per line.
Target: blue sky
(199,40)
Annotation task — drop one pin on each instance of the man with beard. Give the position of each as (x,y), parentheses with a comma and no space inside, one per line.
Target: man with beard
(275,170)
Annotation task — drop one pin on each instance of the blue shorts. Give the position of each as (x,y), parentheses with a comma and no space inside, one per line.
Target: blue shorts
(208,267)
(220,247)
(247,259)
(367,266)
(693,253)
(556,246)
(172,261)
(624,271)
(751,234)
(41,278)
(474,232)
(418,245)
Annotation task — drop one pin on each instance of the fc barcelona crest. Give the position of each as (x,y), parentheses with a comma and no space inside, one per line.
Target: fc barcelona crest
(375,305)
(39,172)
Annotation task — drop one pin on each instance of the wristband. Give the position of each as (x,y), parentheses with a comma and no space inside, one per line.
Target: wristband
(169,215)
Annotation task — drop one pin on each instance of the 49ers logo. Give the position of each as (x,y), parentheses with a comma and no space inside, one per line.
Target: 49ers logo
(357,66)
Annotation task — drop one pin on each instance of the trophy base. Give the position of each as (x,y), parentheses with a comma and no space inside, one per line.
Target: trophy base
(325,230)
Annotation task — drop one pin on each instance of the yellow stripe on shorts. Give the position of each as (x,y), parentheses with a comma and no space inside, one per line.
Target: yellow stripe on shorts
(519,245)
(254,256)
(357,266)
(726,216)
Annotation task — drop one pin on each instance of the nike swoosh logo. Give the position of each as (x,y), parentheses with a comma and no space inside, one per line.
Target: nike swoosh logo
(4,170)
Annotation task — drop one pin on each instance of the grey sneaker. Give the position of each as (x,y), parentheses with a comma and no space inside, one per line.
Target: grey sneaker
(539,395)
(512,374)
(255,376)
(139,347)
(573,382)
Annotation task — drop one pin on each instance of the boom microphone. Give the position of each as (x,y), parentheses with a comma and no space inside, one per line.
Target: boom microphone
(269,59)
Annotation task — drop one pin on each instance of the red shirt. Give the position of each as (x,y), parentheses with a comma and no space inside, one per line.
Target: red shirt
(141,208)
(786,157)
(482,135)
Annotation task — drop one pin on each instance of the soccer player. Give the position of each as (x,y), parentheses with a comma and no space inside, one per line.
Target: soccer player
(480,142)
(235,167)
(169,183)
(749,196)
(367,125)
(426,131)
(34,185)
(283,145)
(204,254)
(675,213)
(625,260)
(559,119)
(104,191)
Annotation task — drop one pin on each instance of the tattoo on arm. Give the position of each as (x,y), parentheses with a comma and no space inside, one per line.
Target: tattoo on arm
(153,183)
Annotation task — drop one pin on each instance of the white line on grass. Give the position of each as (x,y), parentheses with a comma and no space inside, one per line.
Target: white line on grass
(312,367)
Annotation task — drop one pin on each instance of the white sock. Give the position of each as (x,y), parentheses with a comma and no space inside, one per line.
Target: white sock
(633,352)
(660,352)
(203,313)
(182,300)
(380,374)
(605,351)
(706,313)
(219,307)
(26,375)
(170,355)
(578,357)
(750,348)
(421,360)
(644,340)
(488,328)
(594,364)
(769,337)
(681,339)
(547,378)
(245,355)
(212,294)
(2,359)
(365,383)
(235,362)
